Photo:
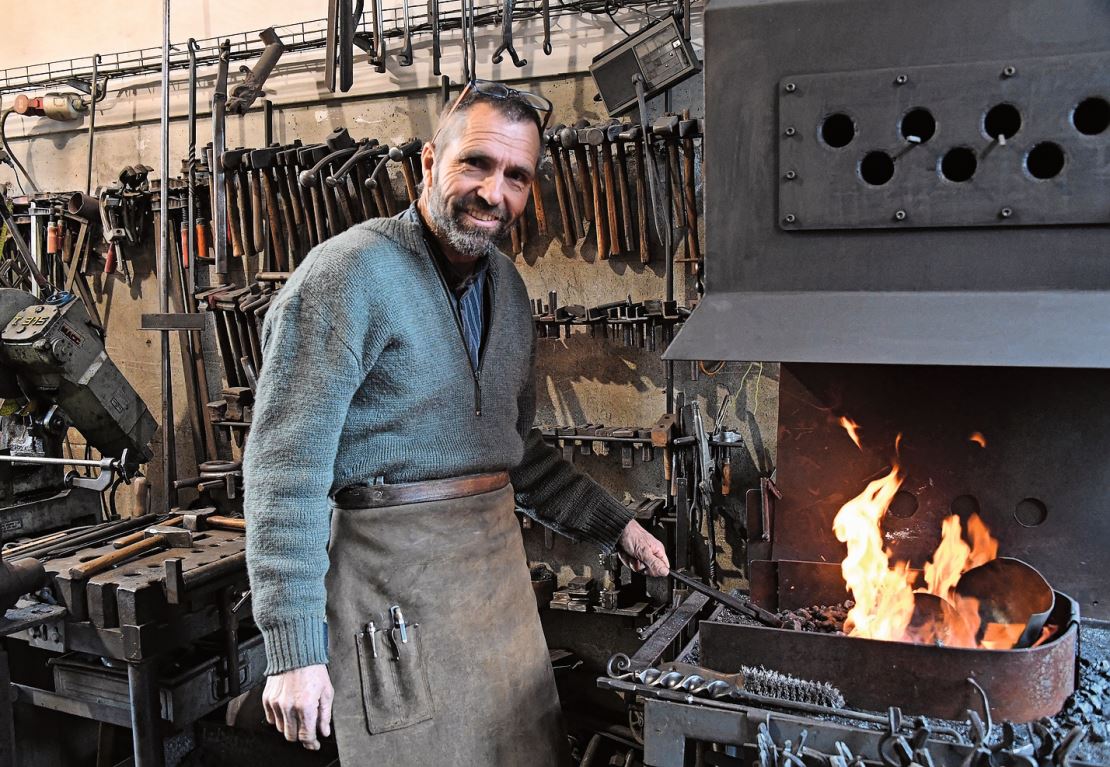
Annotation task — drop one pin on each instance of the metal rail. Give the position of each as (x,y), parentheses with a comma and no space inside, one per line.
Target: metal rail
(298,36)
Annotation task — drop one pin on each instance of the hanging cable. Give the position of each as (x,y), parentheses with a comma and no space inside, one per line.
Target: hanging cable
(11,156)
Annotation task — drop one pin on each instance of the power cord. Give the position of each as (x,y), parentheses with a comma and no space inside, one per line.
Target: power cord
(16,164)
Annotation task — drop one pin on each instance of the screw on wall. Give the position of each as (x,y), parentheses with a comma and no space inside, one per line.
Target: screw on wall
(901,80)
(1009,71)
(1005,213)
(790,175)
(789,218)
(790,87)
(790,130)
(899,215)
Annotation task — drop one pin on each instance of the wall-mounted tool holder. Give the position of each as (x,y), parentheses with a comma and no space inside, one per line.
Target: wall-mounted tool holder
(299,36)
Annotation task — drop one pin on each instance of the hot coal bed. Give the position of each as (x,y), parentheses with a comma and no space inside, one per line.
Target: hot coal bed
(908,209)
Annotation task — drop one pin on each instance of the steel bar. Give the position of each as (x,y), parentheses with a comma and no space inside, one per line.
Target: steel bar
(215,165)
(92,125)
(169,452)
(146,706)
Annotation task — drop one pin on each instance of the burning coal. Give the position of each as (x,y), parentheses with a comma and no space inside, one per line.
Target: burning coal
(897,603)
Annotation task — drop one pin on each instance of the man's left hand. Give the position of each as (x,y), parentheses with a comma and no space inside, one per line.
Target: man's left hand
(641,550)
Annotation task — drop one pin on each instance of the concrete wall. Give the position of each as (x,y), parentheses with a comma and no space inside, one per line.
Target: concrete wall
(579,380)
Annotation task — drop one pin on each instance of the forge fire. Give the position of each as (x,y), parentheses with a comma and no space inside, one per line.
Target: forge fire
(939,604)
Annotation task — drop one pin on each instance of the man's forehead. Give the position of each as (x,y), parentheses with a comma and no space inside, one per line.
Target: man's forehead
(483,126)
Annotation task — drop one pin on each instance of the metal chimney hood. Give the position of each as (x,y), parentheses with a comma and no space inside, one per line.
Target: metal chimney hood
(941,197)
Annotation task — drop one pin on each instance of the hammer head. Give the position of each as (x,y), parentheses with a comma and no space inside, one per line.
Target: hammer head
(568,137)
(688,129)
(175,537)
(613,132)
(339,139)
(195,521)
(592,136)
(233,158)
(665,126)
(288,157)
(630,133)
(412,147)
(261,158)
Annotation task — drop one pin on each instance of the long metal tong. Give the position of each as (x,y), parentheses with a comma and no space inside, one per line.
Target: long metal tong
(765,617)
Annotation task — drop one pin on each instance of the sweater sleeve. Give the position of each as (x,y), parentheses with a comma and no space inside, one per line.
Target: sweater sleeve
(553,492)
(310,374)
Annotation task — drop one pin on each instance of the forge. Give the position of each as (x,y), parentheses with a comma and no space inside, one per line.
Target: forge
(967,449)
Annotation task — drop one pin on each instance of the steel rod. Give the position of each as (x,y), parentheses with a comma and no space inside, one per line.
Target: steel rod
(146,709)
(105,463)
(169,456)
(92,126)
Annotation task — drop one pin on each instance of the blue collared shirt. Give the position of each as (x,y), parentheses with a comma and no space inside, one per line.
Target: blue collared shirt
(468,299)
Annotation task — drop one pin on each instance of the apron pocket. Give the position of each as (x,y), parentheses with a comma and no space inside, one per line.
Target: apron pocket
(395,692)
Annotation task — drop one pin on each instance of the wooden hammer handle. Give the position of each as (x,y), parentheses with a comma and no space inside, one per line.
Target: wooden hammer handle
(100,564)
(227,523)
(127,540)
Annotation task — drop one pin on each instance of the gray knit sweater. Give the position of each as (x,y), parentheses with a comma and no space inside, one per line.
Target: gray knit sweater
(365,375)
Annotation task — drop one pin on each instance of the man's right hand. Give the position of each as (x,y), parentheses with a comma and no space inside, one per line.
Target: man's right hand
(299,701)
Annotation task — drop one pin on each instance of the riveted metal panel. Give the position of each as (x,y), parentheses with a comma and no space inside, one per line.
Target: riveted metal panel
(934,126)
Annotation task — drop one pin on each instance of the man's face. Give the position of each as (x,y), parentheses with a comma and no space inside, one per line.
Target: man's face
(478,182)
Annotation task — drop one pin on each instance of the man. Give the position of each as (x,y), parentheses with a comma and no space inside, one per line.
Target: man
(397,380)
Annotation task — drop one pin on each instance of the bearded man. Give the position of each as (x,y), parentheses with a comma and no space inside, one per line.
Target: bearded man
(393,430)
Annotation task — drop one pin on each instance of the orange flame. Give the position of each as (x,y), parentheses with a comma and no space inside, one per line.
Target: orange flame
(852,428)
(884,598)
(886,606)
(978,438)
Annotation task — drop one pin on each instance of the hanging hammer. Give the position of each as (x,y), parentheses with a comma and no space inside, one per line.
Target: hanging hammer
(666,128)
(564,187)
(592,139)
(568,137)
(688,130)
(634,133)
(409,149)
(615,132)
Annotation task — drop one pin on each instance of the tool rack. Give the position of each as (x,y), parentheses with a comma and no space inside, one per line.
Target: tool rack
(297,37)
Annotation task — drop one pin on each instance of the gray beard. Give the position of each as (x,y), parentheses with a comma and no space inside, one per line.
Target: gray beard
(448,222)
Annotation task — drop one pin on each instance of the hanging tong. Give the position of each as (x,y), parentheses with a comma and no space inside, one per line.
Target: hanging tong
(507,36)
(244,94)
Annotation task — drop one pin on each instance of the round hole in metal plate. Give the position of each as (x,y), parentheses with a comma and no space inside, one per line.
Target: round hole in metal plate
(197,551)
(1002,120)
(154,566)
(918,125)
(1030,512)
(1092,116)
(213,545)
(838,130)
(958,164)
(1045,160)
(130,573)
(963,506)
(876,168)
(903,505)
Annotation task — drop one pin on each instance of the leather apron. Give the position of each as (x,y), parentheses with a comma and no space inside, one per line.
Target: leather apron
(472,686)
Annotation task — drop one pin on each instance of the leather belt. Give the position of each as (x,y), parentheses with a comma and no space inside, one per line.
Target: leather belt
(376,496)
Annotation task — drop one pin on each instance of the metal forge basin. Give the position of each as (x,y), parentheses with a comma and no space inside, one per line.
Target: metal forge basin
(1021,685)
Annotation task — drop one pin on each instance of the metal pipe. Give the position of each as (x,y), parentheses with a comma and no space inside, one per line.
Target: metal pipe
(146,707)
(169,455)
(191,234)
(215,166)
(92,125)
(104,463)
